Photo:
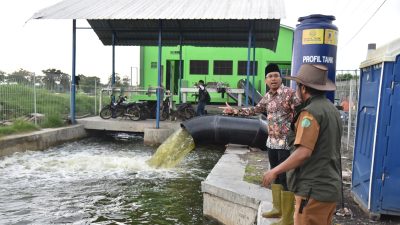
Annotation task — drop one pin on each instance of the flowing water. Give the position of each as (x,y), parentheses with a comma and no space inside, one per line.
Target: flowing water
(173,150)
(99,181)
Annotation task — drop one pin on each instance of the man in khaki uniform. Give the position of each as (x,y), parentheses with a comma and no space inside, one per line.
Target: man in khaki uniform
(314,163)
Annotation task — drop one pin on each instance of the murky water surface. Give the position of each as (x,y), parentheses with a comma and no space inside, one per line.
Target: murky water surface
(102,181)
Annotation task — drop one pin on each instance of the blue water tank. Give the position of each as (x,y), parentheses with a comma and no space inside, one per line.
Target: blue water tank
(376,168)
(315,42)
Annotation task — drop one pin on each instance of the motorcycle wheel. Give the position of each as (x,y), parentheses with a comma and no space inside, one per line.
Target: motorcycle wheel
(134,113)
(164,115)
(188,113)
(106,113)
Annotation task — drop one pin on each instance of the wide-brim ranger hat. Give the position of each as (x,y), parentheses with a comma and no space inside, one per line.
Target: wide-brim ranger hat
(314,76)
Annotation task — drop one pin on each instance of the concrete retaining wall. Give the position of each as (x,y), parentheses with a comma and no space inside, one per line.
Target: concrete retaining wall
(40,140)
(152,136)
(229,199)
(155,137)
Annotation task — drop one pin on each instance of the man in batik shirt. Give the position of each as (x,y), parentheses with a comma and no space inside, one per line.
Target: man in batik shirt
(278,104)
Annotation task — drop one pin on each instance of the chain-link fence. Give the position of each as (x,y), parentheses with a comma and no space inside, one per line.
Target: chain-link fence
(42,99)
(346,98)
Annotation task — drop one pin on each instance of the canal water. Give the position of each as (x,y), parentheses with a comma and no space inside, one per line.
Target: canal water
(103,181)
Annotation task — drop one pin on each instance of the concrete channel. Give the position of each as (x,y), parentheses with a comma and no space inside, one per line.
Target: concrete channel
(226,197)
(231,200)
(40,140)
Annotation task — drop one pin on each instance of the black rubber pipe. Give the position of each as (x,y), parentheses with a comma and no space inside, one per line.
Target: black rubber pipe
(227,129)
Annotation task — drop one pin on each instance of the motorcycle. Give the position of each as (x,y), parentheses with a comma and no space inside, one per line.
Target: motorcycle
(183,112)
(148,110)
(121,109)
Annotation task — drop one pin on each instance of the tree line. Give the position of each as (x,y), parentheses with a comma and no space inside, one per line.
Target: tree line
(56,80)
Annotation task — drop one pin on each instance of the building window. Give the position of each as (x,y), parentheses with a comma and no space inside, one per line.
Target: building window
(222,67)
(199,67)
(285,71)
(242,68)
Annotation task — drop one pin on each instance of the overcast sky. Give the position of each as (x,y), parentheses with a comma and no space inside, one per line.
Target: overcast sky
(41,44)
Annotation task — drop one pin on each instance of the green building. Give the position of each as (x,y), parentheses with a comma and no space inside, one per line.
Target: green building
(211,64)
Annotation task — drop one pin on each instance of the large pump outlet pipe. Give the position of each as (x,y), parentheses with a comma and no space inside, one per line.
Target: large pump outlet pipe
(227,129)
(315,42)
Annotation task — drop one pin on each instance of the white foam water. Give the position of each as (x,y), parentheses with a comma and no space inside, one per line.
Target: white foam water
(99,182)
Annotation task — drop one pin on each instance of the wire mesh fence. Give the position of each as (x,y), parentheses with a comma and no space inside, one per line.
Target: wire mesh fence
(41,99)
(346,97)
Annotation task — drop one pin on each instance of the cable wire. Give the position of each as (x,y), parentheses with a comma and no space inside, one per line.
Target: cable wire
(351,39)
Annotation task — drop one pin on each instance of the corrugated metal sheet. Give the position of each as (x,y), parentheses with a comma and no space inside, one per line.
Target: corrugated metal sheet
(200,22)
(164,9)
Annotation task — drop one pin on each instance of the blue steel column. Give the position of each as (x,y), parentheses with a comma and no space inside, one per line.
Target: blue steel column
(159,75)
(254,69)
(113,60)
(113,67)
(180,68)
(72,100)
(248,65)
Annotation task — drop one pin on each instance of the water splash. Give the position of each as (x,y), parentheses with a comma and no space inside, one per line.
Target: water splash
(102,181)
(173,150)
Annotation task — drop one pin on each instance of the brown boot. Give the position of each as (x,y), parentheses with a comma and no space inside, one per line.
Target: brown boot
(287,203)
(276,210)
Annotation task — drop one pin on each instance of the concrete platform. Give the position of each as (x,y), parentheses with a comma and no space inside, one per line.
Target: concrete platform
(152,136)
(125,125)
(229,199)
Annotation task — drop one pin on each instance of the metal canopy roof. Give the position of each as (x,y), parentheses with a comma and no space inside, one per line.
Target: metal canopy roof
(199,22)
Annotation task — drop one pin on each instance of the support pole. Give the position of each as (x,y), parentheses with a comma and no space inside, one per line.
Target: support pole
(180,68)
(254,70)
(34,98)
(72,100)
(159,74)
(113,67)
(113,60)
(248,64)
(95,96)
(131,76)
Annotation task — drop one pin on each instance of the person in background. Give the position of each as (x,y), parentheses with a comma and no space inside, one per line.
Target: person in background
(314,162)
(345,104)
(279,106)
(204,98)
(77,79)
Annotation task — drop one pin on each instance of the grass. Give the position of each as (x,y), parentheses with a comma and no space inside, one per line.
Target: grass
(19,126)
(253,175)
(52,121)
(257,164)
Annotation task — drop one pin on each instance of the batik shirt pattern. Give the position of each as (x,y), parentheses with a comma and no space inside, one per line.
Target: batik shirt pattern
(279,108)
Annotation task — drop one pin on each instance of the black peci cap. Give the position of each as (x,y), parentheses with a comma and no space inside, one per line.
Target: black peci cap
(272,67)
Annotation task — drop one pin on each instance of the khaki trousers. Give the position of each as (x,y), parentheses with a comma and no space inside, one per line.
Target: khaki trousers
(314,213)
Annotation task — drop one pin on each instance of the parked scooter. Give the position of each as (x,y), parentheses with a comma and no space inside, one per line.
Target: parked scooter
(183,112)
(148,110)
(121,109)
